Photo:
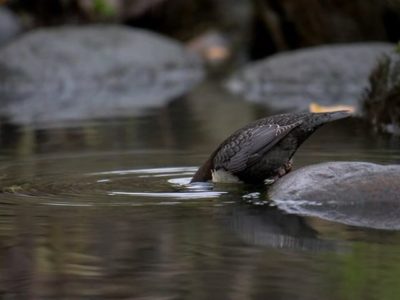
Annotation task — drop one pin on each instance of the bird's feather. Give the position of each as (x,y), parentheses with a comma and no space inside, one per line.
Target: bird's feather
(241,152)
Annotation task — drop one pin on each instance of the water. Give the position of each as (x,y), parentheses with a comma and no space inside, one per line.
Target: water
(102,210)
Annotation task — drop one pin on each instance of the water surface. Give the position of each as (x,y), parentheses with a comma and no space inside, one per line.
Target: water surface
(101,210)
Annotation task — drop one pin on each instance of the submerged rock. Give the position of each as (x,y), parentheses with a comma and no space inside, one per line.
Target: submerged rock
(353,193)
(74,73)
(328,75)
(9,25)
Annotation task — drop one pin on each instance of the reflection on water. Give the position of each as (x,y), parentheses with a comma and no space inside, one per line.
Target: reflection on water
(271,227)
(103,210)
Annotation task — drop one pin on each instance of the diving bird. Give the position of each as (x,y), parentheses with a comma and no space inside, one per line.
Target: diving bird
(261,151)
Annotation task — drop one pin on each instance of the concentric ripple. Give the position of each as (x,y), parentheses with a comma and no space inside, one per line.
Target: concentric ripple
(136,187)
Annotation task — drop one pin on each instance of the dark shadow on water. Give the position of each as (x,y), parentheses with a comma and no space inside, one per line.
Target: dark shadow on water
(9,134)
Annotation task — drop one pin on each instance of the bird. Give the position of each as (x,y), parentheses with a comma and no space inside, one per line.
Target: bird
(261,152)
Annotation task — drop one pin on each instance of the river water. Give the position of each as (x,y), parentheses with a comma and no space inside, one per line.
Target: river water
(100,210)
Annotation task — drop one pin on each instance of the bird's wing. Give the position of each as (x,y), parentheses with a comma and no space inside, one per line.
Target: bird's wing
(245,149)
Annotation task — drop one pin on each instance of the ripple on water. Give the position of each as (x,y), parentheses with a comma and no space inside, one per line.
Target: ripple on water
(136,187)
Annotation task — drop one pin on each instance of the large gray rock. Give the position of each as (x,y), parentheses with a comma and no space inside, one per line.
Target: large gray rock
(354,193)
(74,73)
(9,25)
(328,75)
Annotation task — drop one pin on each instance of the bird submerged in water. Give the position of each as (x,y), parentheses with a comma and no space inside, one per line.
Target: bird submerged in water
(261,151)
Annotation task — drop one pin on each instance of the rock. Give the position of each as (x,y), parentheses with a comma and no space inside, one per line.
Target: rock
(9,25)
(353,193)
(381,100)
(73,73)
(328,75)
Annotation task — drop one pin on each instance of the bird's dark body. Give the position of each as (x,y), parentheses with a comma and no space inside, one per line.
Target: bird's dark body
(262,148)
(269,165)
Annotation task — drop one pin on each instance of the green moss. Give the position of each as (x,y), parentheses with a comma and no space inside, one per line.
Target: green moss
(397,49)
(103,8)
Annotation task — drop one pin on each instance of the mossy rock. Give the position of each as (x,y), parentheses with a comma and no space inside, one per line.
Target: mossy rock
(381,100)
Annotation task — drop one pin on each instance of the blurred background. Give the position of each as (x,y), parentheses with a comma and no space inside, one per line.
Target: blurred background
(256,28)
(227,35)
(245,52)
(107,106)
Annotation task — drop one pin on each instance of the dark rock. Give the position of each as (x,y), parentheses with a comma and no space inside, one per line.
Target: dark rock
(73,73)
(9,25)
(354,193)
(328,75)
(381,100)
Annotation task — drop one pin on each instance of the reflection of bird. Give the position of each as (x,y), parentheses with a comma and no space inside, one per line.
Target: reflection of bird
(262,150)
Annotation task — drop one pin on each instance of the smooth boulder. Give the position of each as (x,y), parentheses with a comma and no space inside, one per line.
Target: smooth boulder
(353,193)
(73,73)
(327,75)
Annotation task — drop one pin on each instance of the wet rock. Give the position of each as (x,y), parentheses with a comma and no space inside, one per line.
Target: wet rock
(353,193)
(328,75)
(73,73)
(9,25)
